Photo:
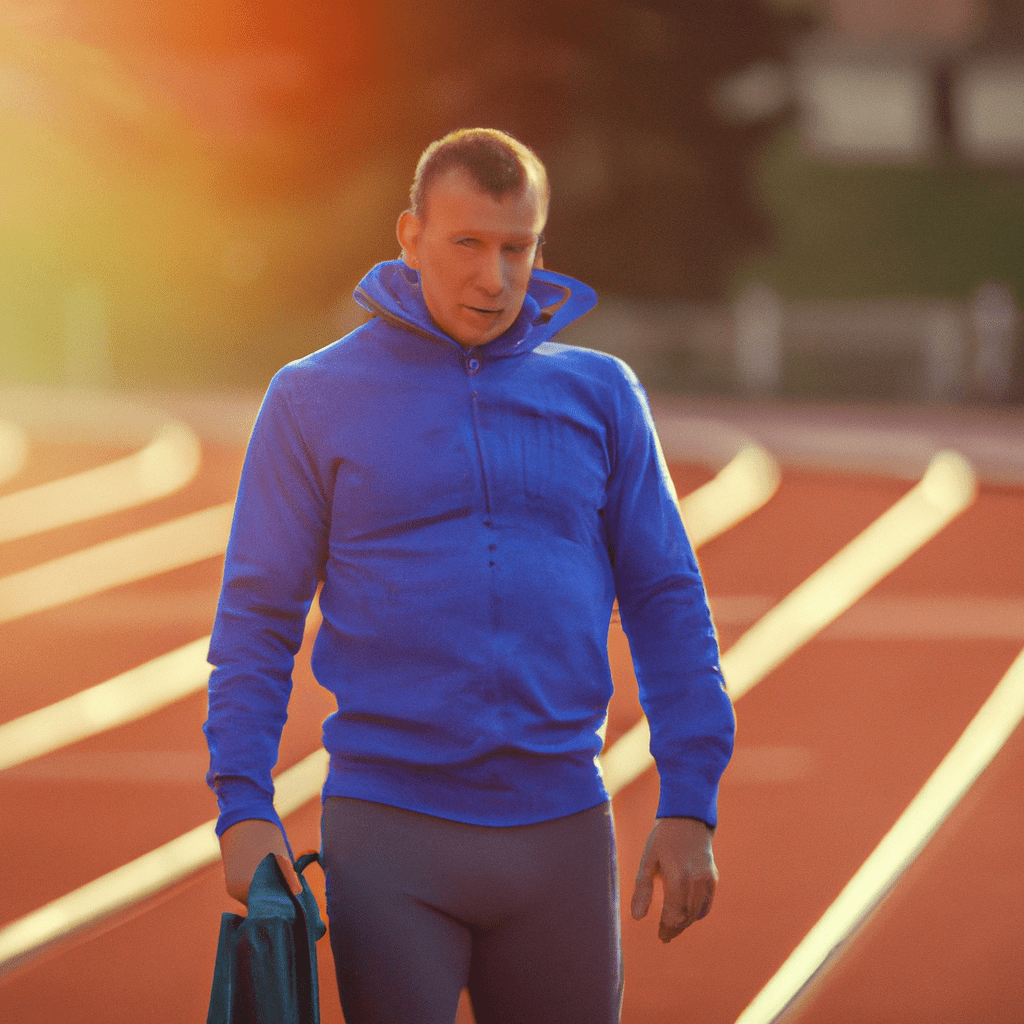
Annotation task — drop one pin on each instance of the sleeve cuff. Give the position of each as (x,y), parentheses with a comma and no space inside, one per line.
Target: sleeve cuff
(680,802)
(242,800)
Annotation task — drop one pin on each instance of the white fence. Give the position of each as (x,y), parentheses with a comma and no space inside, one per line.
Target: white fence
(762,346)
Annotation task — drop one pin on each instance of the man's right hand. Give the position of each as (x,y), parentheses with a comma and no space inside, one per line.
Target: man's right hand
(243,846)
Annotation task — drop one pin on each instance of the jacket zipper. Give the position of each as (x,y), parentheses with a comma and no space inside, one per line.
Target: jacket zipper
(480,455)
(472,363)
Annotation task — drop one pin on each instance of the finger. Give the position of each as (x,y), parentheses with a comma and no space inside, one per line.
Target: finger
(675,919)
(643,892)
(703,906)
(701,896)
(642,896)
(681,909)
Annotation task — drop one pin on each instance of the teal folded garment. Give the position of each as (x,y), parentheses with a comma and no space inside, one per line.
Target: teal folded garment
(265,972)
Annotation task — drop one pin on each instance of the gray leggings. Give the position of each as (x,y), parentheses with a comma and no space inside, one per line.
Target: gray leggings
(524,917)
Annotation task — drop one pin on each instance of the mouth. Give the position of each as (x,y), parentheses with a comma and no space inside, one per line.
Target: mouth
(480,311)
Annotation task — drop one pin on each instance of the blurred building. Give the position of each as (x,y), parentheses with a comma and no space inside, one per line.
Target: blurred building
(912,80)
(899,205)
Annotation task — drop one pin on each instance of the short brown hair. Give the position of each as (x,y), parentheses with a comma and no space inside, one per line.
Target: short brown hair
(498,163)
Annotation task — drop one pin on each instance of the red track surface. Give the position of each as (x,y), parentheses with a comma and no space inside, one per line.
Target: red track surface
(832,746)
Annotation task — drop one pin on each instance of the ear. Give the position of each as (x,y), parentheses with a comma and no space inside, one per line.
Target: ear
(408,232)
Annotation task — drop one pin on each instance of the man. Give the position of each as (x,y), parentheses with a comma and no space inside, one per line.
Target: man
(473,497)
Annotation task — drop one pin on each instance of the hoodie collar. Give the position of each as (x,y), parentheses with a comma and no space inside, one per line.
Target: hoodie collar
(392,291)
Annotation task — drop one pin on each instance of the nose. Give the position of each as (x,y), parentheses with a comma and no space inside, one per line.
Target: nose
(490,277)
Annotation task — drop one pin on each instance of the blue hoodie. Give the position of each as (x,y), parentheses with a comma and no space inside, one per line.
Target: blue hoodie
(472,516)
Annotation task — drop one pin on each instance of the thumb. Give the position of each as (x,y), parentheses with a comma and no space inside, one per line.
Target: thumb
(643,892)
(291,876)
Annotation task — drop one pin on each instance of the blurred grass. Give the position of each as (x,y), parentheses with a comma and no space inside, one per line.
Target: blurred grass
(861,231)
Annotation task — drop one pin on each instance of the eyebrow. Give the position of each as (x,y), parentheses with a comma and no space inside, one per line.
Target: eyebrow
(526,236)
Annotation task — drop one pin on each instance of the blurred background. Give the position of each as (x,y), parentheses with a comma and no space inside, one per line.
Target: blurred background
(806,199)
(804,219)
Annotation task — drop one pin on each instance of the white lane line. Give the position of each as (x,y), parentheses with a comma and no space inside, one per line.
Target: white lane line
(739,489)
(166,464)
(13,450)
(983,738)
(772,764)
(940,617)
(751,479)
(135,556)
(946,489)
(124,698)
(932,618)
(121,699)
(145,875)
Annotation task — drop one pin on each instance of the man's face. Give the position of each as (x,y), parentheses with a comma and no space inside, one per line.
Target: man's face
(474,254)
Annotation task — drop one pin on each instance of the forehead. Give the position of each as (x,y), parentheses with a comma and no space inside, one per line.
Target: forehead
(456,203)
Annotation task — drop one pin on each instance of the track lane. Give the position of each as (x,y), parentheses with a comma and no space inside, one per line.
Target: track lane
(166,464)
(54,654)
(947,944)
(744,484)
(642,998)
(793,985)
(90,635)
(817,780)
(830,750)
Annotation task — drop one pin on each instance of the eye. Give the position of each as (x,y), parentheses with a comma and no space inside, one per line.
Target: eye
(470,243)
(516,249)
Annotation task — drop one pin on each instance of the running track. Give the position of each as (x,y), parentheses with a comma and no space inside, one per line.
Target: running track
(832,747)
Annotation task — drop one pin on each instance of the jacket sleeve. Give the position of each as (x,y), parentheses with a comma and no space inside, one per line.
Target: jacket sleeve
(666,618)
(275,558)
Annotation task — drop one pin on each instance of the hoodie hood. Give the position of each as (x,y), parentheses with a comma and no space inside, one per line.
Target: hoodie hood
(392,291)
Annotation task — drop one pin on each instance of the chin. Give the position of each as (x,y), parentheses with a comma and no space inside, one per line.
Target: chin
(475,339)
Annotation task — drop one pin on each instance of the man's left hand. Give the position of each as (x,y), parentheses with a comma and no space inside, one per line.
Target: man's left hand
(679,852)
